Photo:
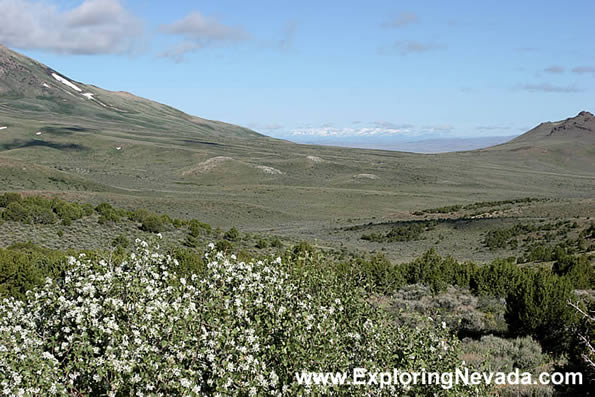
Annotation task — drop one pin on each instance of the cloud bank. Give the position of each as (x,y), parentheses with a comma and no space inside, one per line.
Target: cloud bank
(93,27)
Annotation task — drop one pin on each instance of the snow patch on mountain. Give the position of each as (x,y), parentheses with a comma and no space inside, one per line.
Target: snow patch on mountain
(64,81)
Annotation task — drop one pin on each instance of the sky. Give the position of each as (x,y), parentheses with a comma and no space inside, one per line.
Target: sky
(329,71)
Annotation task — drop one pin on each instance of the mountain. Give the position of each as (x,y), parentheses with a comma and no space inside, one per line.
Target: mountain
(568,143)
(61,136)
(578,130)
(40,92)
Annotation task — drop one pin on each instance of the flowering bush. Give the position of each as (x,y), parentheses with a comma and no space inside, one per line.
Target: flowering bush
(136,328)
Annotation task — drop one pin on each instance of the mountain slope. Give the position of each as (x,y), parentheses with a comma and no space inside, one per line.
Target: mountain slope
(568,143)
(42,93)
(577,130)
(57,134)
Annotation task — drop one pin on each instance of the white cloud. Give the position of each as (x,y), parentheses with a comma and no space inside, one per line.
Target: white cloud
(349,132)
(93,27)
(199,31)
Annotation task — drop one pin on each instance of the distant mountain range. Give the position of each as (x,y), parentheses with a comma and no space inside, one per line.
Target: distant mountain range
(433,145)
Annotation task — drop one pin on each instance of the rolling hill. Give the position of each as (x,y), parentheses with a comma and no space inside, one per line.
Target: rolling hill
(77,140)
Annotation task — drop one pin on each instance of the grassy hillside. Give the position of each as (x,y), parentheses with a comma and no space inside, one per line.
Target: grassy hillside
(134,152)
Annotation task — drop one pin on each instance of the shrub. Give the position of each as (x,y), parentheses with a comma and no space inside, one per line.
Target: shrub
(42,215)
(196,228)
(241,329)
(497,278)
(153,224)
(538,306)
(121,241)
(87,209)
(19,274)
(261,243)
(461,311)
(107,213)
(408,232)
(189,262)
(16,212)
(276,243)
(430,269)
(8,198)
(232,234)
(377,274)
(109,217)
(578,269)
(138,215)
(223,246)
(24,266)
(178,223)
(505,355)
(67,211)
(191,241)
(104,207)
(500,238)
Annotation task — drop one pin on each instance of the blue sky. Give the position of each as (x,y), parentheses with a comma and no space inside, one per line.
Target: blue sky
(337,69)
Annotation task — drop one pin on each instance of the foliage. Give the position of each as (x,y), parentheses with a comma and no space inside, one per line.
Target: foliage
(241,329)
(8,198)
(377,275)
(121,241)
(224,246)
(262,243)
(196,228)
(25,266)
(478,205)
(497,278)
(504,355)
(457,307)
(501,237)
(108,214)
(539,307)
(578,269)
(232,234)
(152,224)
(16,212)
(407,232)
